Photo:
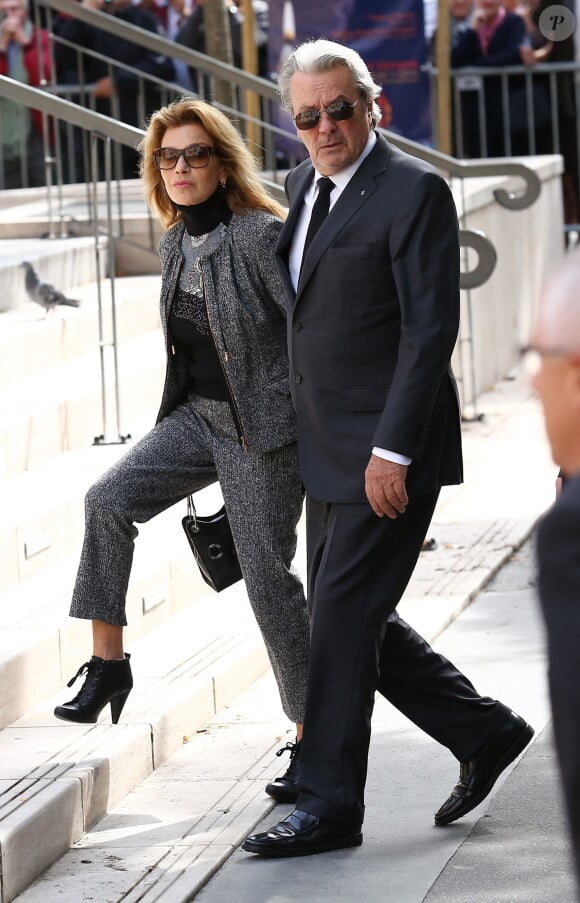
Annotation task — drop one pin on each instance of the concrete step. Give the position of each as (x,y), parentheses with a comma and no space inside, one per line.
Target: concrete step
(58,779)
(32,215)
(40,548)
(65,263)
(31,341)
(42,513)
(63,411)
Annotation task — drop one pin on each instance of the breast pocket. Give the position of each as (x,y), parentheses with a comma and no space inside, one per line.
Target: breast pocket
(350,251)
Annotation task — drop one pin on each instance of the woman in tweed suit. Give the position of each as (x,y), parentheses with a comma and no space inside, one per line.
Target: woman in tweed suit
(225,414)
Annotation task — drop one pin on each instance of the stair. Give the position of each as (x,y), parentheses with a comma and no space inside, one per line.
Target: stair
(192,650)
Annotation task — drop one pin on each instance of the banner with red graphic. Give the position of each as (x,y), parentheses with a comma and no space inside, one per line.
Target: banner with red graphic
(388,35)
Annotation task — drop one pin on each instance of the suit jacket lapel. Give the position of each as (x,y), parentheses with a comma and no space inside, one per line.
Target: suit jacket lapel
(360,188)
(287,231)
(357,192)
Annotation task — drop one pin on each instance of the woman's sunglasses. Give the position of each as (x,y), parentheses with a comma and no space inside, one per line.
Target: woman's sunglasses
(338,110)
(196,155)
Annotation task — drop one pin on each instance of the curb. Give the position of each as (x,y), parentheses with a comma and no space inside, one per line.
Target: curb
(65,784)
(190,864)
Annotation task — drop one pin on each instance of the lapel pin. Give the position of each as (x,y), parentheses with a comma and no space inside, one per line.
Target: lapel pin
(362,192)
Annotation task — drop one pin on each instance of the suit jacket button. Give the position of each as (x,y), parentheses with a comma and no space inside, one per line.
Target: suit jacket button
(297,327)
(297,378)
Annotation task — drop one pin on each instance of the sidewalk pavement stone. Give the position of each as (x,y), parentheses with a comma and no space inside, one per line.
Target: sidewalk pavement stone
(190,816)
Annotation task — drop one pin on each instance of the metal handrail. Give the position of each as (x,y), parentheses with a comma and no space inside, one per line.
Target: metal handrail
(128,135)
(117,64)
(516,69)
(112,130)
(90,120)
(39,99)
(458,168)
(473,169)
(164,47)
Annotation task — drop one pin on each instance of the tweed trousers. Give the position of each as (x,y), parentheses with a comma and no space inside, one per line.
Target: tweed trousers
(189,449)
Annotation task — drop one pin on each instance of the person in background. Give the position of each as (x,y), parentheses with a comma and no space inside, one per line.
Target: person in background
(192,35)
(118,93)
(493,38)
(555,354)
(171,15)
(540,50)
(459,17)
(25,57)
(226,414)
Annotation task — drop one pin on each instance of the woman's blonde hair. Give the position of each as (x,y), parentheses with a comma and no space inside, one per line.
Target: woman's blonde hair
(244,190)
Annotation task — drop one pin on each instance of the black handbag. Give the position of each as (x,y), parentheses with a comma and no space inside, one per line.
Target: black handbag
(213,547)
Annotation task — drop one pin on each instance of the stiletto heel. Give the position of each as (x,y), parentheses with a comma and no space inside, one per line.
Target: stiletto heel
(106,682)
(117,705)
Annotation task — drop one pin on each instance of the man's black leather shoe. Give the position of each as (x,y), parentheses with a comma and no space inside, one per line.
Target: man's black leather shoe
(285,788)
(302,834)
(477,776)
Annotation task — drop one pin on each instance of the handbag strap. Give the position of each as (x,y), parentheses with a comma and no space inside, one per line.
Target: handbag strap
(191,510)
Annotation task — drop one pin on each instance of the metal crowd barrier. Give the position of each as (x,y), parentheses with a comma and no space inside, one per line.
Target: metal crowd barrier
(520,111)
(100,161)
(535,104)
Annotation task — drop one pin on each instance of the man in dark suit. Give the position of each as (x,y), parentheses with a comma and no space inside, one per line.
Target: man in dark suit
(373,307)
(557,380)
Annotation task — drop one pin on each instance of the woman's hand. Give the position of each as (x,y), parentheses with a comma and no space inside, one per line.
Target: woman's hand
(530,57)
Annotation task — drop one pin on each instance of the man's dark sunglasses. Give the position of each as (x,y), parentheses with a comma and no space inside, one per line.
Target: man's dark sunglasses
(338,110)
(196,155)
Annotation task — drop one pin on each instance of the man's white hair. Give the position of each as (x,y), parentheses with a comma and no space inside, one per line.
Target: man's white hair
(321,56)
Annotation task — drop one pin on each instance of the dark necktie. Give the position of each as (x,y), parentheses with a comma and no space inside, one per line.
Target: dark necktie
(319,210)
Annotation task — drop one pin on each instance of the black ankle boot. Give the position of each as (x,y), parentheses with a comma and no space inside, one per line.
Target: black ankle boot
(105,682)
(285,788)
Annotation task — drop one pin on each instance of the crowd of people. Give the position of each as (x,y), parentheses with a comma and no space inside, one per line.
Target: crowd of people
(79,52)
(484,34)
(492,122)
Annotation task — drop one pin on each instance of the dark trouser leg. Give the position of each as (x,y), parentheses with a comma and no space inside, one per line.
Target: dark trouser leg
(171,461)
(359,566)
(433,694)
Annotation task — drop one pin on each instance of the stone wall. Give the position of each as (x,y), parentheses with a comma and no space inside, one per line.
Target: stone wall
(496,318)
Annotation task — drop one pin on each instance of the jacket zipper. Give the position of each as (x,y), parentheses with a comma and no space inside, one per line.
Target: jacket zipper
(170,351)
(235,412)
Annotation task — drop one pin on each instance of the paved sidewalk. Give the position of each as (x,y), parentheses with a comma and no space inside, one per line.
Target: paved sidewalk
(168,836)
(511,849)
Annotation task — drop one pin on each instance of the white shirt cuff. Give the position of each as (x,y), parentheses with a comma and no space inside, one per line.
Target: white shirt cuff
(391,456)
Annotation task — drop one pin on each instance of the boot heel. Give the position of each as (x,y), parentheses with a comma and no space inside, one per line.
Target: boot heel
(117,706)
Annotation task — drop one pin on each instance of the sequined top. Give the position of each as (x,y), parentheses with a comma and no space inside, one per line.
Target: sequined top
(189,325)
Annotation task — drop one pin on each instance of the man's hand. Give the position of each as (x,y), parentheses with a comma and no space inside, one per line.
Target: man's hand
(12,31)
(385,487)
(104,87)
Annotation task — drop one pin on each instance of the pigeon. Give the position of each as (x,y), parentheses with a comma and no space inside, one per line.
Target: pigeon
(43,293)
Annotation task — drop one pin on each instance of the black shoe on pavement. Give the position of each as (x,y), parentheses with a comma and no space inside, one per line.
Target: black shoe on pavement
(302,834)
(477,776)
(285,788)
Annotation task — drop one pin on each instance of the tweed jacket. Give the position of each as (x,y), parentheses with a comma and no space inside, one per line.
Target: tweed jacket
(246,313)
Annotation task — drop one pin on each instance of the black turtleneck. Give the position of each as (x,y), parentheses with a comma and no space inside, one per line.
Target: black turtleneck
(188,322)
(202,218)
